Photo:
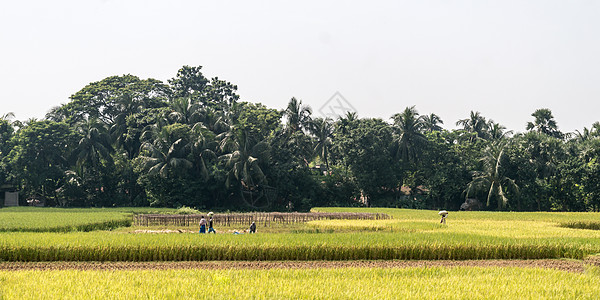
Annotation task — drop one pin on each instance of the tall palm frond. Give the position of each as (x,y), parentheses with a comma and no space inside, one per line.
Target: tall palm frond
(490,178)
(298,116)
(242,157)
(408,128)
(475,124)
(496,131)
(322,129)
(94,145)
(431,123)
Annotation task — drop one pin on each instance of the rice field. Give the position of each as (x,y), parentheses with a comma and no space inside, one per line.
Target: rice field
(70,236)
(347,283)
(38,219)
(412,234)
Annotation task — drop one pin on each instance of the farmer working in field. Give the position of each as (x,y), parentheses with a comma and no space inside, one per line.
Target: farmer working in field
(444,214)
(210,224)
(202,225)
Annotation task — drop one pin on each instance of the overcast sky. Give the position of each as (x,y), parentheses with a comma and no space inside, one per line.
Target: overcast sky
(502,58)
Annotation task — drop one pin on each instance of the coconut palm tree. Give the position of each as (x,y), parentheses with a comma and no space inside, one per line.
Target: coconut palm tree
(161,155)
(583,136)
(203,150)
(184,111)
(595,131)
(7,116)
(408,128)
(344,122)
(94,145)
(242,160)
(491,179)
(431,123)
(126,106)
(210,119)
(588,134)
(322,129)
(475,124)
(496,131)
(298,116)
(241,157)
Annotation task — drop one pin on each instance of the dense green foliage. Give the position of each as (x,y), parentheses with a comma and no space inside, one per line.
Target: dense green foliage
(126,141)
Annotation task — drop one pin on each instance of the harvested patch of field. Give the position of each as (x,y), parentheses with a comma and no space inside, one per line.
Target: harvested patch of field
(575,266)
(163,231)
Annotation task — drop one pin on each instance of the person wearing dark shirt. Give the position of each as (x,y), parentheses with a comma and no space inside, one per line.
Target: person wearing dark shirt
(210,226)
(253,227)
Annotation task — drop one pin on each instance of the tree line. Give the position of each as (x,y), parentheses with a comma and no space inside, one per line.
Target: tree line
(126,141)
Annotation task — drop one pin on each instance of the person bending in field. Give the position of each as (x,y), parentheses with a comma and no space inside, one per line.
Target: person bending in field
(202,225)
(253,228)
(210,226)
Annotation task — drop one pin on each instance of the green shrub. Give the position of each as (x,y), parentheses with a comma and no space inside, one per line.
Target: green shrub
(184,210)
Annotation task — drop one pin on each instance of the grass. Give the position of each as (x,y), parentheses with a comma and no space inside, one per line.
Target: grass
(351,283)
(37,219)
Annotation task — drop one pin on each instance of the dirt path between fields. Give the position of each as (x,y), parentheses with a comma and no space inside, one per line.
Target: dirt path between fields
(564,265)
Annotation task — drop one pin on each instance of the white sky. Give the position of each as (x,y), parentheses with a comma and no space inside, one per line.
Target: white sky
(503,58)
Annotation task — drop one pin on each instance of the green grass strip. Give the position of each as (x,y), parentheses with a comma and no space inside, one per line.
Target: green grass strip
(106,225)
(298,252)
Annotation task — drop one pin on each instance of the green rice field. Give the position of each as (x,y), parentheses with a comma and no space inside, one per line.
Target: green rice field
(37,219)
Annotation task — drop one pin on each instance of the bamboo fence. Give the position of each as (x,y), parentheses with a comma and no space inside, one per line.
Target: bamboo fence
(261,219)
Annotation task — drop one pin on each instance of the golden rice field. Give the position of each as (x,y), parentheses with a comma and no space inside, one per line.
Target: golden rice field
(45,235)
(412,234)
(352,283)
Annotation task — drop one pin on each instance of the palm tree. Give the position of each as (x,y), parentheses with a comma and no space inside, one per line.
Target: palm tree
(94,145)
(214,120)
(475,124)
(242,157)
(496,131)
(430,123)
(595,131)
(127,105)
(544,123)
(298,116)
(7,116)
(584,136)
(162,156)
(56,114)
(588,134)
(184,111)
(322,129)
(490,179)
(344,122)
(202,150)
(408,126)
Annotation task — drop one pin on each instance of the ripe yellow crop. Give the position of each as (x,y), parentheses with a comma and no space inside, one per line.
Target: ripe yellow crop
(412,234)
(345,283)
